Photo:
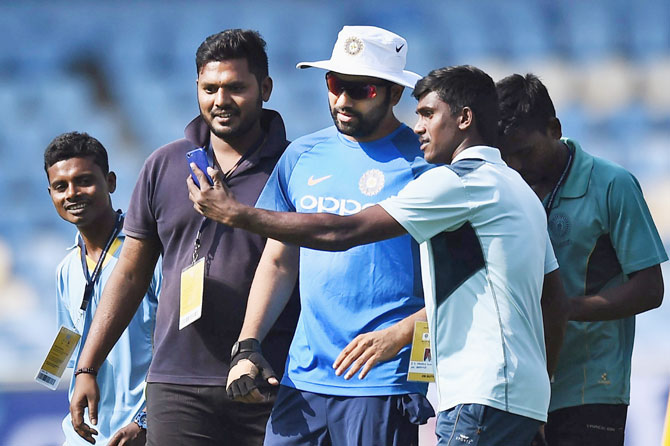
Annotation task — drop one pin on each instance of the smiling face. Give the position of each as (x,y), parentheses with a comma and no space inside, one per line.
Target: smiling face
(80,191)
(438,129)
(230,98)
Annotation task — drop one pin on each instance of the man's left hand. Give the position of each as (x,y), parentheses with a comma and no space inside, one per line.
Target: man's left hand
(130,435)
(367,350)
(215,202)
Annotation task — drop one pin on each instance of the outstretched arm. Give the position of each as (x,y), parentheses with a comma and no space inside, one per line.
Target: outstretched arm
(326,232)
(120,299)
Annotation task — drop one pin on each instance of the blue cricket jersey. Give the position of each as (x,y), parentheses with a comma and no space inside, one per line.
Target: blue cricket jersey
(363,289)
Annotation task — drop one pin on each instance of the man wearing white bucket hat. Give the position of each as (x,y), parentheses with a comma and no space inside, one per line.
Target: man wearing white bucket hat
(359,306)
(494,297)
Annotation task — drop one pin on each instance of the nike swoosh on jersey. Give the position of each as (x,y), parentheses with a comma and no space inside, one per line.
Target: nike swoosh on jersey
(311,181)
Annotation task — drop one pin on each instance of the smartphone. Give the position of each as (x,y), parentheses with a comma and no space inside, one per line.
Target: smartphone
(199,157)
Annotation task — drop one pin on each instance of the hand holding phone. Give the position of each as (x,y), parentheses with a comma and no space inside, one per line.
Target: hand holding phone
(199,157)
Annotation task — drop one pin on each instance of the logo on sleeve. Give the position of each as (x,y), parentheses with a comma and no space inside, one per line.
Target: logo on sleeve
(372,182)
(311,181)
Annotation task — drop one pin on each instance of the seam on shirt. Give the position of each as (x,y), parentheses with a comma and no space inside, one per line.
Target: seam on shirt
(502,336)
(493,293)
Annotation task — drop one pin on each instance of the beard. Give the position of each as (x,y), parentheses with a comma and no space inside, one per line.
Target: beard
(363,125)
(243,121)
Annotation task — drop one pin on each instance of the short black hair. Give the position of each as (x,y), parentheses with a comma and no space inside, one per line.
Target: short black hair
(73,145)
(235,44)
(524,103)
(465,86)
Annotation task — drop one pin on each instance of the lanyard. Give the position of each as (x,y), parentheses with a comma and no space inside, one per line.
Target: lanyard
(196,244)
(561,180)
(226,176)
(90,280)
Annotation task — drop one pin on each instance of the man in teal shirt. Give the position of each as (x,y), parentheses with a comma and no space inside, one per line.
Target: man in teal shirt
(609,252)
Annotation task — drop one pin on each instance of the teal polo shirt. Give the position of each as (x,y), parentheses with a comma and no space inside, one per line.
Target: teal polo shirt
(601,231)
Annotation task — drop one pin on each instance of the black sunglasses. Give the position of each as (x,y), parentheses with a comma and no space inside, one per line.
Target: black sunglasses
(355,90)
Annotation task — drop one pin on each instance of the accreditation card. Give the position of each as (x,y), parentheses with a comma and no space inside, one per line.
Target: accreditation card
(420,364)
(59,355)
(190,297)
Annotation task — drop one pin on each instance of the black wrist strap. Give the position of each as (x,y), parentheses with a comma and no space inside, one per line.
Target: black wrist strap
(249,345)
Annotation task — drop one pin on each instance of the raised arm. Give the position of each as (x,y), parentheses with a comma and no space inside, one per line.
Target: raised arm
(120,299)
(326,232)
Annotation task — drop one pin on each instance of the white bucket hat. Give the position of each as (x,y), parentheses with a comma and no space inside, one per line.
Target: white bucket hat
(369,51)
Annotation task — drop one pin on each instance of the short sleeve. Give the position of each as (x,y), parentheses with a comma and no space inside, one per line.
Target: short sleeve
(63,316)
(632,230)
(550,262)
(434,202)
(140,221)
(275,195)
(63,311)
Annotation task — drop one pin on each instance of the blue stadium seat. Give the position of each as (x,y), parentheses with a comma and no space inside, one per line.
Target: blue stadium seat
(589,30)
(648,33)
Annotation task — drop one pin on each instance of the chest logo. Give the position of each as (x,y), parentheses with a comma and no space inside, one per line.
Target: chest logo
(372,182)
(311,181)
(559,226)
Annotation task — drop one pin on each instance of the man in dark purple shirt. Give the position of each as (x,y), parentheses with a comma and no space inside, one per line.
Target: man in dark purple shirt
(186,395)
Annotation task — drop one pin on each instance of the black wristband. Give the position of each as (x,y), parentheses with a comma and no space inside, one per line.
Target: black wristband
(245,345)
(86,370)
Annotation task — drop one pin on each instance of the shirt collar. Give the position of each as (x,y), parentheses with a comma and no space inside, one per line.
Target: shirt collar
(121,236)
(580,173)
(486,153)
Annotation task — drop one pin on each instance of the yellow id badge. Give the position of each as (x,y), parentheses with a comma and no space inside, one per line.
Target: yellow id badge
(190,297)
(420,364)
(59,355)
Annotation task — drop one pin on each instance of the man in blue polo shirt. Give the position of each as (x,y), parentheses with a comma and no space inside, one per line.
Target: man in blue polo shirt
(491,284)
(80,185)
(365,298)
(609,251)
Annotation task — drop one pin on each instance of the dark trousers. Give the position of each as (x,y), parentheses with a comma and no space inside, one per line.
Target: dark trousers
(180,415)
(303,418)
(590,424)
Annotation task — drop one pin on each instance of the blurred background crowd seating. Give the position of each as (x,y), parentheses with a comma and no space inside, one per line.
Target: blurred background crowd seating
(124,72)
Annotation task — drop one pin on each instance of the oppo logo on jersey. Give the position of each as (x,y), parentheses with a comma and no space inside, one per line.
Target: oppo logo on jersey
(332,205)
